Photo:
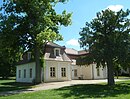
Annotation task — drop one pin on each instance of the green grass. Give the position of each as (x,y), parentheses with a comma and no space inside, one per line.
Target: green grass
(119,91)
(10,85)
(122,77)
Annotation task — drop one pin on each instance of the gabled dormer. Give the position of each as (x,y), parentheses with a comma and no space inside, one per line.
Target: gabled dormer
(26,58)
(57,52)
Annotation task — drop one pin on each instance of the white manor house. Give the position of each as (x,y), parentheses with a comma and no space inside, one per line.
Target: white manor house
(60,65)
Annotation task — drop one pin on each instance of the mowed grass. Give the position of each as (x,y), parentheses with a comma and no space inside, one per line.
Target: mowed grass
(102,91)
(10,85)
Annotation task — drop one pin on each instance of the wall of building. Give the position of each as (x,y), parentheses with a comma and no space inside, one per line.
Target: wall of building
(83,72)
(102,72)
(89,72)
(58,65)
(26,67)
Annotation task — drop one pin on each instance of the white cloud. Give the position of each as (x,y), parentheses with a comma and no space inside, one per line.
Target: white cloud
(115,8)
(72,42)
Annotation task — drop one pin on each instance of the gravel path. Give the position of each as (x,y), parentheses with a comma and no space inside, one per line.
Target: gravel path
(55,85)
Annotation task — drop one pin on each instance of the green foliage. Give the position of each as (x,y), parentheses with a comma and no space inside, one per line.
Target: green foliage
(47,36)
(8,47)
(84,60)
(29,25)
(108,38)
(34,19)
(7,61)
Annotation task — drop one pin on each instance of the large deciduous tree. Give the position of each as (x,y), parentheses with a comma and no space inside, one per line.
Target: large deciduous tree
(108,38)
(34,23)
(8,46)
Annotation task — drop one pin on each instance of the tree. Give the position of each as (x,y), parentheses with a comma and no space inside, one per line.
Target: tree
(35,22)
(108,38)
(8,47)
(117,68)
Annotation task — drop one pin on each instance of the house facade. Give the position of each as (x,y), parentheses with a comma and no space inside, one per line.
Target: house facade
(25,72)
(59,65)
(84,71)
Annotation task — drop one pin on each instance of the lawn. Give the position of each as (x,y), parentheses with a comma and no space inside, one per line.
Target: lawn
(10,85)
(119,91)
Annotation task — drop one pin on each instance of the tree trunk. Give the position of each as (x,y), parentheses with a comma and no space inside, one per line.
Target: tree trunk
(38,66)
(129,71)
(117,74)
(110,72)
(43,53)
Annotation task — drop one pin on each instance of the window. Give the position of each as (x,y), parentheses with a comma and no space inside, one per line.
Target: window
(29,55)
(63,72)
(57,52)
(98,72)
(75,72)
(24,73)
(30,72)
(19,73)
(52,72)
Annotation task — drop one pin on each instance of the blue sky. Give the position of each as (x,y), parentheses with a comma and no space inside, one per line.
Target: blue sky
(84,11)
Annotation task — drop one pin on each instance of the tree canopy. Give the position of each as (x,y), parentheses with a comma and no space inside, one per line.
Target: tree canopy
(31,17)
(108,39)
(30,24)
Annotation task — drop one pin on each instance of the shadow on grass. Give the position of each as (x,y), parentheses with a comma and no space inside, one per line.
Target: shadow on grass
(9,78)
(11,85)
(94,90)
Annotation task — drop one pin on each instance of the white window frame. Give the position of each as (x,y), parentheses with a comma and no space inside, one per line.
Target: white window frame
(63,72)
(56,52)
(52,72)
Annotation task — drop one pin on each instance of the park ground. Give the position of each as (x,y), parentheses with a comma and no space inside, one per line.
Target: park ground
(75,89)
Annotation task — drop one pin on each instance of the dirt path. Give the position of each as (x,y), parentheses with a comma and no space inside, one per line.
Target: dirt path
(55,85)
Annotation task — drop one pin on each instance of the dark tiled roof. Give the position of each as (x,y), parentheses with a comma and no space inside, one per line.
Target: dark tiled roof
(54,45)
(25,61)
(71,51)
(75,52)
(49,54)
(82,52)
(62,57)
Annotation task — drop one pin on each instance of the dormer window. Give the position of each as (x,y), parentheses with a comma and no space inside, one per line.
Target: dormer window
(57,52)
(29,55)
